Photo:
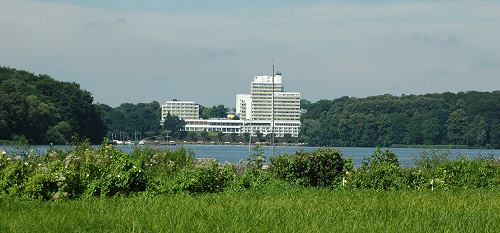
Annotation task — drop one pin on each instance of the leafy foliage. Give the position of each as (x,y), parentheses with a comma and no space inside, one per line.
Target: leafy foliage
(127,120)
(105,171)
(323,167)
(216,111)
(470,118)
(380,171)
(41,110)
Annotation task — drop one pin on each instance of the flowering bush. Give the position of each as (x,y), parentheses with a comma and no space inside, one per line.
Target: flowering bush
(106,171)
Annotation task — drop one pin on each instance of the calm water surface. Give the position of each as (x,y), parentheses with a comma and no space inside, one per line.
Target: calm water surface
(235,153)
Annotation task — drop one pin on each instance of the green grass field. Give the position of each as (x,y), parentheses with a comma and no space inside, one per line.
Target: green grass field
(286,210)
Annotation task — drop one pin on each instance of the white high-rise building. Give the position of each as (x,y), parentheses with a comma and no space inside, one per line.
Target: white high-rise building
(183,109)
(260,110)
(255,111)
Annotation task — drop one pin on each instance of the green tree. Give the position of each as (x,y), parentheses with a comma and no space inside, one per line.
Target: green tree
(457,124)
(495,133)
(269,137)
(234,136)
(430,131)
(246,136)
(204,134)
(216,111)
(173,124)
(384,131)
(60,134)
(32,104)
(476,133)
(192,136)
(259,135)
(220,136)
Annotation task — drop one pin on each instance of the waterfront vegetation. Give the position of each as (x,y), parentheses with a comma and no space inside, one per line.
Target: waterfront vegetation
(278,207)
(36,109)
(106,171)
(465,118)
(86,189)
(104,189)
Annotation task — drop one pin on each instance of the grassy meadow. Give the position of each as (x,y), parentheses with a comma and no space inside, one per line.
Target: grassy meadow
(104,189)
(273,210)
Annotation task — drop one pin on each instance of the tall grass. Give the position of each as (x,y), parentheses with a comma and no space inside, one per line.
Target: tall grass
(286,210)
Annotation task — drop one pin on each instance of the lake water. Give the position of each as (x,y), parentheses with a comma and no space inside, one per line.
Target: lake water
(235,153)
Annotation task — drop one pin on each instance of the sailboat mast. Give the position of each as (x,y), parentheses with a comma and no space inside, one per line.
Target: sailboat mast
(272,115)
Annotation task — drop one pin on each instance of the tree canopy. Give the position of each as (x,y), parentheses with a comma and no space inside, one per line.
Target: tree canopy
(216,111)
(131,119)
(466,118)
(40,110)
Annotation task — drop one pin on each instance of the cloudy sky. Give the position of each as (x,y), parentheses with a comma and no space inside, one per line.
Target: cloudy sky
(208,51)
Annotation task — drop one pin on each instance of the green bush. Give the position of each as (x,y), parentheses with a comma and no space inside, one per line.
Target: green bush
(481,172)
(206,176)
(320,168)
(13,175)
(161,166)
(433,170)
(379,171)
(106,171)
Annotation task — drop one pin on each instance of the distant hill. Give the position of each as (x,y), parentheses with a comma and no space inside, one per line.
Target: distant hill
(466,118)
(40,110)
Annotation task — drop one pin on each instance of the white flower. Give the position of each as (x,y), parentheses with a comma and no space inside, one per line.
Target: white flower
(3,152)
(118,176)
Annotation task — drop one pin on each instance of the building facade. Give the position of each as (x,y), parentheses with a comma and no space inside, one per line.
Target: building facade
(255,111)
(243,126)
(257,108)
(244,102)
(183,109)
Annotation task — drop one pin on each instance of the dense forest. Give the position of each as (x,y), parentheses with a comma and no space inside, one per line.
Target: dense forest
(470,118)
(131,121)
(37,109)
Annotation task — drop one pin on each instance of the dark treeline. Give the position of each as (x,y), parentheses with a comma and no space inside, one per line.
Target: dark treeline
(471,118)
(39,110)
(142,120)
(131,121)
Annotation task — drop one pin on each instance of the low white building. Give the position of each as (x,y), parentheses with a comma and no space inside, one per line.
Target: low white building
(183,109)
(244,126)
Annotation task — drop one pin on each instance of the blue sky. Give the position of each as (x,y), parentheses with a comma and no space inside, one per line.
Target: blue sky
(208,51)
